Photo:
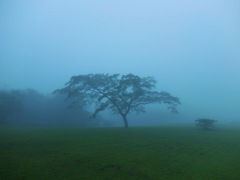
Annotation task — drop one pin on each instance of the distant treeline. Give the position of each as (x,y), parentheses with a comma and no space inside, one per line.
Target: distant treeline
(30,107)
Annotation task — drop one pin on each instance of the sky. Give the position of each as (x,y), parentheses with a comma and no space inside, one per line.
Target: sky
(191,47)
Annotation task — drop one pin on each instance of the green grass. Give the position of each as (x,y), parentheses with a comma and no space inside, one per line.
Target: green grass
(117,153)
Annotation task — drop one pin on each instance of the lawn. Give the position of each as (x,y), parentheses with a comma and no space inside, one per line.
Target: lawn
(117,153)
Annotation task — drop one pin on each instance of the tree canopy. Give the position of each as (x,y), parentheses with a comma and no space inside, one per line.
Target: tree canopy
(121,94)
(205,124)
(32,108)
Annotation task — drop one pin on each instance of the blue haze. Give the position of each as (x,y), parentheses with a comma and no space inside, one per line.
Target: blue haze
(191,47)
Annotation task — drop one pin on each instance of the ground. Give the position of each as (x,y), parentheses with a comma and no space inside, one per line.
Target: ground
(118,153)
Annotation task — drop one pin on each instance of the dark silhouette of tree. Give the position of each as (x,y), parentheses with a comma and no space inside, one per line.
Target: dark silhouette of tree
(205,124)
(30,107)
(10,105)
(120,94)
(19,106)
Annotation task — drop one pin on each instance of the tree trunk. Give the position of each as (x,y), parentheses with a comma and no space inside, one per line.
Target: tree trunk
(125,121)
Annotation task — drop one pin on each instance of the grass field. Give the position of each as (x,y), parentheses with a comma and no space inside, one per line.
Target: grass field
(117,153)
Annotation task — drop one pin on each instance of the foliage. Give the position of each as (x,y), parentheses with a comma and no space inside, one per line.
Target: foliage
(120,94)
(205,124)
(29,107)
(10,105)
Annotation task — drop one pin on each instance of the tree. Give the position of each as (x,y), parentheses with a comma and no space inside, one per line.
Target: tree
(120,94)
(10,105)
(205,124)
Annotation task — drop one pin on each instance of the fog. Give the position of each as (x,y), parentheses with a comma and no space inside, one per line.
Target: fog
(190,47)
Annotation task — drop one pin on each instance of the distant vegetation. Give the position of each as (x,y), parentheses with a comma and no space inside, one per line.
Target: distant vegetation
(29,107)
(205,124)
(119,94)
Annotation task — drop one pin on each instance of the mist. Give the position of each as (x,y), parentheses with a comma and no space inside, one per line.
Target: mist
(190,47)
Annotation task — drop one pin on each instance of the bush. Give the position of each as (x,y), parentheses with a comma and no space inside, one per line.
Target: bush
(205,124)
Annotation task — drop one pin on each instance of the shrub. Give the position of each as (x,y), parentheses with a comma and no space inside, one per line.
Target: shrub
(205,124)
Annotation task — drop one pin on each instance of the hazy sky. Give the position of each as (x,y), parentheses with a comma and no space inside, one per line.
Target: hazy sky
(192,47)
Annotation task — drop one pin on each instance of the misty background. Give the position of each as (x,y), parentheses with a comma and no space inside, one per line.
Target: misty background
(192,48)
